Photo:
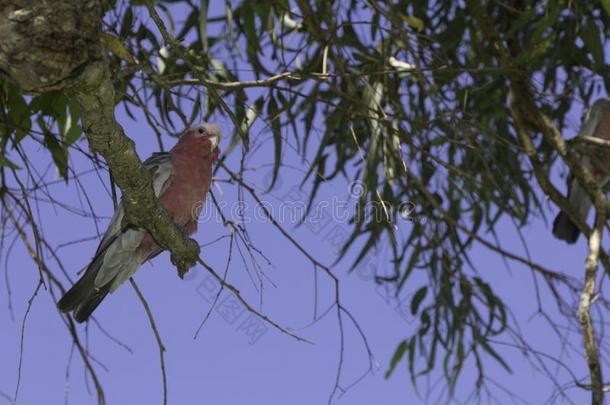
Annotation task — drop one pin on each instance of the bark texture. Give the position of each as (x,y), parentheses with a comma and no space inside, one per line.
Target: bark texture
(45,44)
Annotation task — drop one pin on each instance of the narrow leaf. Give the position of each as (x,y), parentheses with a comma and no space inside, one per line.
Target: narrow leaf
(398,354)
(418,298)
(276,128)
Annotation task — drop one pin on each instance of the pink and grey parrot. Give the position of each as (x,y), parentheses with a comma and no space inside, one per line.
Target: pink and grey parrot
(596,123)
(181,181)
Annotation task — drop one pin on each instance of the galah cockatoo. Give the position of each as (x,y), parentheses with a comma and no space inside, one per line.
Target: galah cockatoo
(595,123)
(181,181)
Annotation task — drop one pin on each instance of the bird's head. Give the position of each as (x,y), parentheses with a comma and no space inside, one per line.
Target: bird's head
(202,137)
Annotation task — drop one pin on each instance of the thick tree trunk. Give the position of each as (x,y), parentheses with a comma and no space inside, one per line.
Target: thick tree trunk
(44,45)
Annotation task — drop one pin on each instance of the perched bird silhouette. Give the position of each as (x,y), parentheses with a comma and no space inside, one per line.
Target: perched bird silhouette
(595,123)
(181,181)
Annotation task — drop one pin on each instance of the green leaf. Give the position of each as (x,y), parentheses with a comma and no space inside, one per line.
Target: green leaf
(203,26)
(115,46)
(19,113)
(250,28)
(411,359)
(276,128)
(483,342)
(418,298)
(591,37)
(59,154)
(606,5)
(5,162)
(72,129)
(414,22)
(50,103)
(398,354)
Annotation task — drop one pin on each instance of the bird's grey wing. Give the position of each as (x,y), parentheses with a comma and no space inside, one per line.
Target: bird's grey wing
(117,246)
(162,170)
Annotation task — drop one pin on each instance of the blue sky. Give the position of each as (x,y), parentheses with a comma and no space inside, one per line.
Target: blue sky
(236,358)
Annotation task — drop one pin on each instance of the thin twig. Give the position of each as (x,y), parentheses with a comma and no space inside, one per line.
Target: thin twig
(157,336)
(245,303)
(589,140)
(67,320)
(21,340)
(220,290)
(317,265)
(67,375)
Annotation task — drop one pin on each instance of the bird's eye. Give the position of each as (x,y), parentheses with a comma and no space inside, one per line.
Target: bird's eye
(200,130)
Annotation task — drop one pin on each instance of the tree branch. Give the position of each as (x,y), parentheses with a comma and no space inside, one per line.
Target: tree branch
(584,310)
(95,96)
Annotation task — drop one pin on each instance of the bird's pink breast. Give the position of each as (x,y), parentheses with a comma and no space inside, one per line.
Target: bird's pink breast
(185,196)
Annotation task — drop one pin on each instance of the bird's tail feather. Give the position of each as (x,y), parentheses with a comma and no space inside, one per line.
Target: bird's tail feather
(565,229)
(88,305)
(79,291)
(83,297)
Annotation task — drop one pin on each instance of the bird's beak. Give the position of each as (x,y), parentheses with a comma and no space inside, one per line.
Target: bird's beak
(215,140)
